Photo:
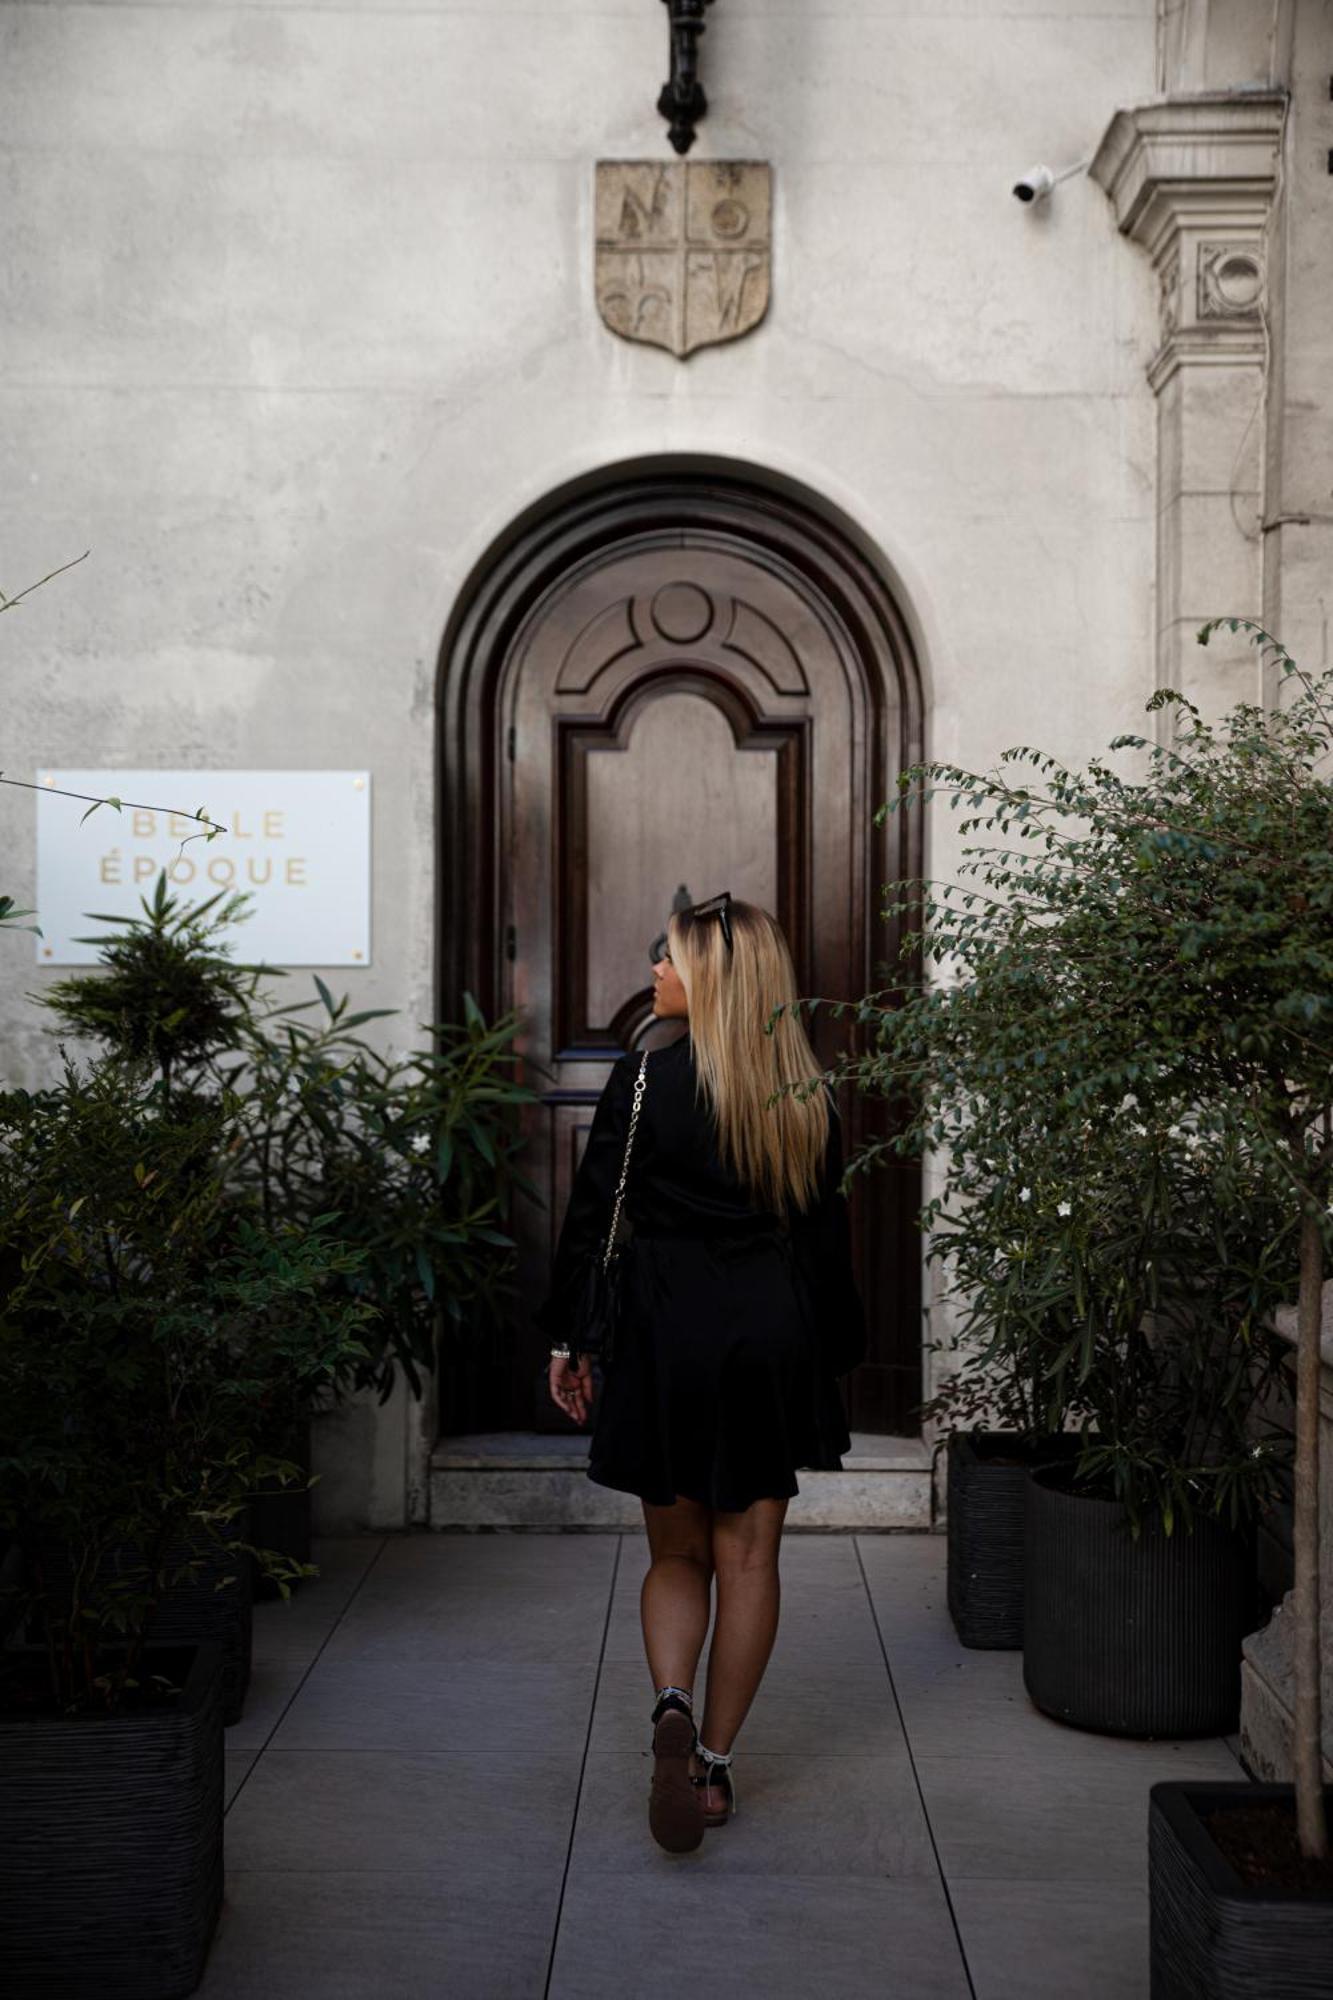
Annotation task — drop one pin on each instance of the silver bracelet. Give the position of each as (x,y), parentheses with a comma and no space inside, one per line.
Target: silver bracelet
(559,1354)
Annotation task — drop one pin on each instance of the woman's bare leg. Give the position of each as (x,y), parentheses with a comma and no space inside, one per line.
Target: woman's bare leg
(745,1558)
(674,1602)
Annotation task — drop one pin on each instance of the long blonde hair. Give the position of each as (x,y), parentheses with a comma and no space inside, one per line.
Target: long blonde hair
(776,1152)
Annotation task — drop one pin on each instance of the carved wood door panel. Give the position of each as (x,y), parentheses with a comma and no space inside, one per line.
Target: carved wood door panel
(673,690)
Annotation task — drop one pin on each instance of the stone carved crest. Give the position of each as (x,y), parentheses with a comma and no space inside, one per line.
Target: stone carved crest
(683,249)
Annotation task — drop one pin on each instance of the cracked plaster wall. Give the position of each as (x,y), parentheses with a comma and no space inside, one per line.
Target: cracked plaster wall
(298,315)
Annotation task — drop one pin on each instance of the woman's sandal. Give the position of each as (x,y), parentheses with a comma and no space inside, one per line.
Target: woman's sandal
(717,1772)
(675,1805)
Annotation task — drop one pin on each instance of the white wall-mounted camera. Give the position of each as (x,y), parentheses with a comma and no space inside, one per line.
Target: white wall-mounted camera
(1037,182)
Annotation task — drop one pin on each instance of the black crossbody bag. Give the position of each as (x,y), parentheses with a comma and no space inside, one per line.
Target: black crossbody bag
(597,1316)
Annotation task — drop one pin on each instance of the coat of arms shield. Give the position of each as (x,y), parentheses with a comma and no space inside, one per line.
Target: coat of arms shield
(683,249)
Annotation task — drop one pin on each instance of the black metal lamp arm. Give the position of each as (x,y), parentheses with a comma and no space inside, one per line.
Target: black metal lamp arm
(682,101)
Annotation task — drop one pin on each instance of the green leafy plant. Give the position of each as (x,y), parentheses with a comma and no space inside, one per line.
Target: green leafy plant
(416,1155)
(153,1324)
(1164,934)
(166,990)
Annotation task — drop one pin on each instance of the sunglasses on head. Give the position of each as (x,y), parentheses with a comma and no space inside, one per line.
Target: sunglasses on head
(716,906)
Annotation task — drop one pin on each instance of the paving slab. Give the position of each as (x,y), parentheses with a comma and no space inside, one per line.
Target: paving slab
(239,1764)
(519,1707)
(439,1787)
(1053,1940)
(274,1685)
(807,1818)
(1003,1818)
(414,1934)
(483,1816)
(659,1935)
(844,1712)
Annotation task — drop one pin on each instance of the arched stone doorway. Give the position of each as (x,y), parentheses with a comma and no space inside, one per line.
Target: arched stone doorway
(675,673)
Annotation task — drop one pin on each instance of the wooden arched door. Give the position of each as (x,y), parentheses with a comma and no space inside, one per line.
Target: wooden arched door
(672,685)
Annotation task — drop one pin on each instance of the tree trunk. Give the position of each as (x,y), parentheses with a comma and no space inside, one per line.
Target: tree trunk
(1311,1824)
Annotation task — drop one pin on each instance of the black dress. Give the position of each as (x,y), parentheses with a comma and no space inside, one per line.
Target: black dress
(735,1327)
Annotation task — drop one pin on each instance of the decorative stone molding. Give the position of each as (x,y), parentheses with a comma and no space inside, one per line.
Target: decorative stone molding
(1231,281)
(1191,180)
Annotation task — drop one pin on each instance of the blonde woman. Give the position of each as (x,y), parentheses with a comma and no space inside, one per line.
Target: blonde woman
(740,1311)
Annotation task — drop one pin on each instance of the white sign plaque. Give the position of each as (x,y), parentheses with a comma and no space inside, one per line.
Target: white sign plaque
(298,841)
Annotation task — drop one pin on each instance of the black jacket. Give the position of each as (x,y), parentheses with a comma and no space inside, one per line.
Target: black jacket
(678,1186)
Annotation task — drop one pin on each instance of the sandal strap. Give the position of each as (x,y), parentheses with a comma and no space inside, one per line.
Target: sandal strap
(717,1770)
(673,1697)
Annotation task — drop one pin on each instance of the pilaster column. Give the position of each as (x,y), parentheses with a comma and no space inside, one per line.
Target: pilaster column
(1191,180)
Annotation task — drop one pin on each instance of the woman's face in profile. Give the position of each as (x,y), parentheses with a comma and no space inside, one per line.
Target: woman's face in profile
(669,1001)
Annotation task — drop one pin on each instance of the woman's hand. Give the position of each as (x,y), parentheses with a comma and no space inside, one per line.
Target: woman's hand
(571,1385)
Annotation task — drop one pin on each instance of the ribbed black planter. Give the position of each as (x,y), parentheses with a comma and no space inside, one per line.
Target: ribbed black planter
(194,1609)
(1211,1935)
(280,1519)
(111,1832)
(987,1477)
(1132,1639)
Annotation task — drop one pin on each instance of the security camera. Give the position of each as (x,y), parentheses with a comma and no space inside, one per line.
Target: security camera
(1038,181)
(1035,184)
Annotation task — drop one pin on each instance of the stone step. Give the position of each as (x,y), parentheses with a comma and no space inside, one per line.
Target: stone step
(524,1479)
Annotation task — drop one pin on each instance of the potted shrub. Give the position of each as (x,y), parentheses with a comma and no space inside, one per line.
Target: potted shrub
(167,993)
(1178,946)
(412,1157)
(1105,1261)
(144,1317)
(1007,1405)
(415,1154)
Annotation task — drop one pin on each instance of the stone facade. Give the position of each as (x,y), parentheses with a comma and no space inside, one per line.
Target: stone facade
(300,316)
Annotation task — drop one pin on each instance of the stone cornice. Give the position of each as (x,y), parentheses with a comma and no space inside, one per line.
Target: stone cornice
(1191,179)
(1217,151)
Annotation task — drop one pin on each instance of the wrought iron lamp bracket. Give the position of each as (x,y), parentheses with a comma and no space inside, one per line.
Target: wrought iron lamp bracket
(682,101)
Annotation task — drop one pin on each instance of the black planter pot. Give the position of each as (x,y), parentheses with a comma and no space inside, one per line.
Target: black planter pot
(987,1476)
(111,1829)
(1211,1935)
(280,1518)
(194,1609)
(1132,1639)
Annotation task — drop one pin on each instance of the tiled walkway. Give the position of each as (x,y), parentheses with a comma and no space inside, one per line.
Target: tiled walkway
(438,1792)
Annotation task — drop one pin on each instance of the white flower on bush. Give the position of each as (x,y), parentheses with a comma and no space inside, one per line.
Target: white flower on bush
(420,1142)
(1064,1208)
(1025,1194)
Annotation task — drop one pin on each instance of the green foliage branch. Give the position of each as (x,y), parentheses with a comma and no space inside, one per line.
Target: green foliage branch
(153,1326)
(415,1156)
(1155,942)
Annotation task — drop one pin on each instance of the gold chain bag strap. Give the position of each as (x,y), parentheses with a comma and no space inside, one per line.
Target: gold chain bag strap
(597,1320)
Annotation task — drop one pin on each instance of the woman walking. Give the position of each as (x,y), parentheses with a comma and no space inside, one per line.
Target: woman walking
(739,1312)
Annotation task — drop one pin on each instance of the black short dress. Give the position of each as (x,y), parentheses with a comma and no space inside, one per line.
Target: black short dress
(736,1325)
